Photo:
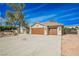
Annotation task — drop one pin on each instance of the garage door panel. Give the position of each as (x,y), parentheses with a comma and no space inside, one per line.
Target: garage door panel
(52,32)
(37,31)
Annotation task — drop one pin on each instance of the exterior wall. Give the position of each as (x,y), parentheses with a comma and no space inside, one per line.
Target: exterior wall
(45,31)
(21,30)
(59,30)
(38,26)
(52,32)
(24,31)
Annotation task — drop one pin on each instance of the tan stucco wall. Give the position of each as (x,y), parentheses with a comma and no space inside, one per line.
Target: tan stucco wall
(52,32)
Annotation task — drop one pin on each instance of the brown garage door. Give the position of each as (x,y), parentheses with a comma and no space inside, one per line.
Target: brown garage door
(52,32)
(37,31)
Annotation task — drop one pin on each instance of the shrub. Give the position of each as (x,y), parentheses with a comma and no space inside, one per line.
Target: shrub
(3,28)
(69,30)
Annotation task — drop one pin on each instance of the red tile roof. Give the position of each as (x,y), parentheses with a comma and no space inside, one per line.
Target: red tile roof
(52,24)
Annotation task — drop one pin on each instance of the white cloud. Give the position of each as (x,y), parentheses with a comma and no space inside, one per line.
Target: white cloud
(34,8)
(67,15)
(72,19)
(67,10)
(40,18)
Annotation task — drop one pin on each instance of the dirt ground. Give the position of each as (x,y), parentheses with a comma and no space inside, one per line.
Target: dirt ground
(70,45)
(40,45)
(31,45)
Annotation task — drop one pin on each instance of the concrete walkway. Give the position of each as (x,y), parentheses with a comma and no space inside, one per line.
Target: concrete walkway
(31,45)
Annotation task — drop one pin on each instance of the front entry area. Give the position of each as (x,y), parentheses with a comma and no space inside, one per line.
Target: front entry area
(52,31)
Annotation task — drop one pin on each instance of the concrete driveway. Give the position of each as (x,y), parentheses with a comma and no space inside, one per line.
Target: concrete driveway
(31,45)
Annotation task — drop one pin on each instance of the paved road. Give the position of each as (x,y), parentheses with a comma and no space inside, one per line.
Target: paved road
(31,45)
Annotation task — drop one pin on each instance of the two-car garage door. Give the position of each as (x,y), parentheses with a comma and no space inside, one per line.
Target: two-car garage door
(37,31)
(41,31)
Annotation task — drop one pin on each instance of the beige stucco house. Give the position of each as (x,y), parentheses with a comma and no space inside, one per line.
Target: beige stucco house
(48,28)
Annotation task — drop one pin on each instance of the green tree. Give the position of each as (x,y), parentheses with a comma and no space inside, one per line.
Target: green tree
(11,17)
(9,22)
(18,8)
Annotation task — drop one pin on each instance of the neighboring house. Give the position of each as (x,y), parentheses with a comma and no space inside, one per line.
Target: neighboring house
(48,28)
(70,26)
(24,30)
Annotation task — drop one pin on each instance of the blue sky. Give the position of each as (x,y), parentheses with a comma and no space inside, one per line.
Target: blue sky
(65,13)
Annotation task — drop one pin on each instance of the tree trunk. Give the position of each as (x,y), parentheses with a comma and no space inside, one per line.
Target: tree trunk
(20,27)
(20,22)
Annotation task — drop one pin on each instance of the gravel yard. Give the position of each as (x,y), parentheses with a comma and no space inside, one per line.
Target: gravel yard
(70,45)
(30,45)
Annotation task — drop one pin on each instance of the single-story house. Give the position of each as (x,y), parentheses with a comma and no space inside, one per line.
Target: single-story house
(48,28)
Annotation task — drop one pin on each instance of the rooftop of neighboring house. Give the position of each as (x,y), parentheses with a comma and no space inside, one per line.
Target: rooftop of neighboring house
(71,26)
